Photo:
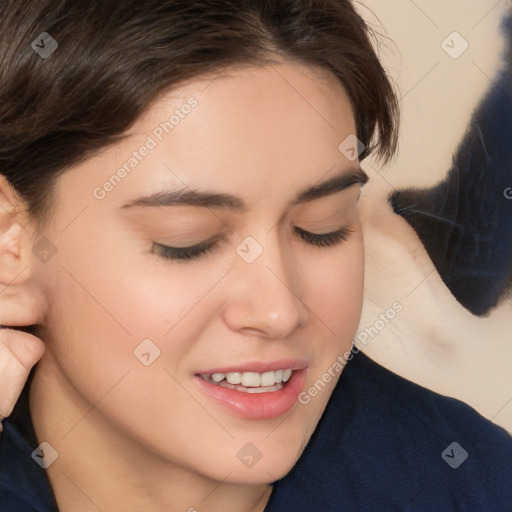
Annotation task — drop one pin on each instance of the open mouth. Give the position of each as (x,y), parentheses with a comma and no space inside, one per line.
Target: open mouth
(253,395)
(250,382)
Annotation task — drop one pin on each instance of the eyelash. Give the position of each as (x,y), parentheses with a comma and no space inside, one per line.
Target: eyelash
(197,251)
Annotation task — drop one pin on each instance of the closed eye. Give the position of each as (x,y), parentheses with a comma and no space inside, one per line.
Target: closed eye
(197,251)
(325,239)
(182,253)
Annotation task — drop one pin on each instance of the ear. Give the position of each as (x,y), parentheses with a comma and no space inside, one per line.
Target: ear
(12,228)
(22,302)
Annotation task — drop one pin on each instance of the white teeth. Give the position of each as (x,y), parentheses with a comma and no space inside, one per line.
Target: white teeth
(253,379)
(234,378)
(268,379)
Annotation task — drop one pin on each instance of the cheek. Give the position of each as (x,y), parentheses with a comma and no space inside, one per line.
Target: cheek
(101,311)
(88,332)
(334,299)
(115,306)
(104,305)
(336,293)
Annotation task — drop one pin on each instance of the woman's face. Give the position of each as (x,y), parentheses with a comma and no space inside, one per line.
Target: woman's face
(133,336)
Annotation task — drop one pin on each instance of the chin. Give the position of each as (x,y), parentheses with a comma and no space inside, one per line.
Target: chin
(261,473)
(250,465)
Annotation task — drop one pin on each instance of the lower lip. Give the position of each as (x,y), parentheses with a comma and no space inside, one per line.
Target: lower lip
(256,406)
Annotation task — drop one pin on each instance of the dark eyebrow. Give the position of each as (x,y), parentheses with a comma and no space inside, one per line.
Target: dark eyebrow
(189,197)
(333,185)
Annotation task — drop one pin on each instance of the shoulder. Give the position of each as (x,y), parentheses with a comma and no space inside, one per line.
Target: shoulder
(385,443)
(24,485)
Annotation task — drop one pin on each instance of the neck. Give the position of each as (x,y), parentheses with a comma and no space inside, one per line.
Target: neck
(101,468)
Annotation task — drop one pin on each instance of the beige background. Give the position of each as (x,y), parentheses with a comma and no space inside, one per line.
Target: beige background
(433,341)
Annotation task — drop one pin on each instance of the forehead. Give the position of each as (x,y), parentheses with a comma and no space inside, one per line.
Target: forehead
(256,130)
(260,117)
(261,100)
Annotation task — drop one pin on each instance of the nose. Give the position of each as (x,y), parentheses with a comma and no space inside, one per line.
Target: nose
(265,298)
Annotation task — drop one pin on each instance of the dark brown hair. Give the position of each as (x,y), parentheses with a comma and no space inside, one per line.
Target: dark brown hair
(114,57)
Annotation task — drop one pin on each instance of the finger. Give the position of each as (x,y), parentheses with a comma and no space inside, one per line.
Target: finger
(19,352)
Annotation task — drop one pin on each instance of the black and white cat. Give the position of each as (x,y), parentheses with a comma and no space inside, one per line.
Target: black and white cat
(444,254)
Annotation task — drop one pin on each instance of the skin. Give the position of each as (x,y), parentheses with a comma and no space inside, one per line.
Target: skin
(21,302)
(131,437)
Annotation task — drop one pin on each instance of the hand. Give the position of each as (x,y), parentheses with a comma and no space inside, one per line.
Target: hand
(19,351)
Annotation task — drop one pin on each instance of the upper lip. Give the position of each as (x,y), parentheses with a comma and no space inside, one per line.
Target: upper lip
(258,366)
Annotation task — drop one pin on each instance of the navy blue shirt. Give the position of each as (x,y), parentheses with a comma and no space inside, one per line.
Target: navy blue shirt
(382,444)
